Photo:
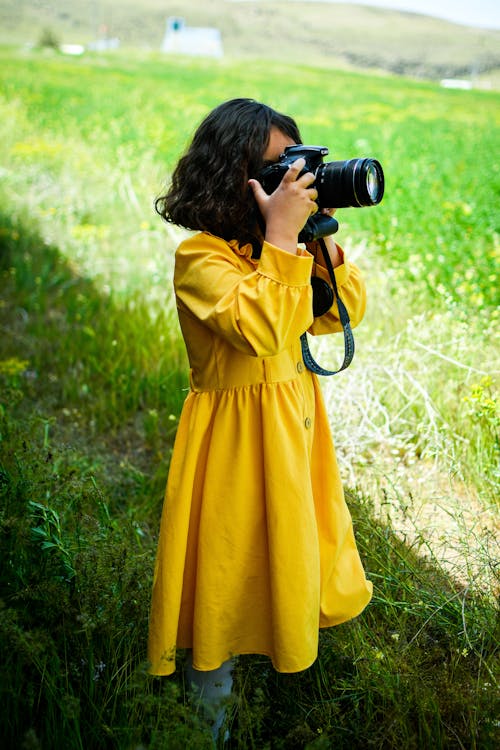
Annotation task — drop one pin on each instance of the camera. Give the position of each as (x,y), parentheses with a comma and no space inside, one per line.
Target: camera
(355,182)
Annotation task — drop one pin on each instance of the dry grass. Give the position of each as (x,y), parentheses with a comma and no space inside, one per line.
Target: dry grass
(400,431)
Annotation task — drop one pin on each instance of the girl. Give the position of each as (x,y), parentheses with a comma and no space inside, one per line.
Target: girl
(256,548)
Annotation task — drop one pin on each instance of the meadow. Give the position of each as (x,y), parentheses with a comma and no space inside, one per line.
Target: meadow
(93,375)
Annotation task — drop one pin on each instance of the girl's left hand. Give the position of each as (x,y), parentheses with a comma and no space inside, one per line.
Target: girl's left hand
(331,245)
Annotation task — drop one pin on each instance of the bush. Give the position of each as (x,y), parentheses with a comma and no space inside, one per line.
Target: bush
(48,39)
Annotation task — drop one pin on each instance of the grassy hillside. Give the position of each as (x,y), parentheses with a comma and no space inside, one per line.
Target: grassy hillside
(93,376)
(319,33)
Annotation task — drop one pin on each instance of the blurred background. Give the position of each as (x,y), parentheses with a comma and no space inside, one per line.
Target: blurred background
(441,39)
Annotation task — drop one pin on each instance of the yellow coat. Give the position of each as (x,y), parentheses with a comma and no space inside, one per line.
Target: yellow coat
(256,548)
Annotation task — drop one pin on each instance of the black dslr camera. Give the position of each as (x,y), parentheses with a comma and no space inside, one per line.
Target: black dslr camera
(355,182)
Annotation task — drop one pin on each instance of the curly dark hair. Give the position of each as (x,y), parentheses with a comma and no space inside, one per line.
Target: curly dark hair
(209,189)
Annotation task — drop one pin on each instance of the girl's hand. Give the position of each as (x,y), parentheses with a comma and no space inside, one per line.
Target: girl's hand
(335,256)
(333,250)
(287,209)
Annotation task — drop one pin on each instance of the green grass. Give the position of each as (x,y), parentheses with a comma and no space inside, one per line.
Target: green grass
(436,146)
(93,375)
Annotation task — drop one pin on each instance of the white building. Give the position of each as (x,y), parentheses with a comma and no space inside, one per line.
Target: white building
(191,40)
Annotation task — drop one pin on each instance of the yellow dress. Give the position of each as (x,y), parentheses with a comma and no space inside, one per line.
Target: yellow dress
(256,548)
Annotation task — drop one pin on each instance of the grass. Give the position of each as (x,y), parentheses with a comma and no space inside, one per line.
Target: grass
(93,375)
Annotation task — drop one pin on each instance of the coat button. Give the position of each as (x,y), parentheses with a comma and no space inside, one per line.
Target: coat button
(300,367)
(307,422)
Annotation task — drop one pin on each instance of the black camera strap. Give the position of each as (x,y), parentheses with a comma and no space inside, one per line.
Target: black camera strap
(309,360)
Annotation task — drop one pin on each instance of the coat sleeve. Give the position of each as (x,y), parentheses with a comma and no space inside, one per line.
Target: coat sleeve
(260,309)
(352,290)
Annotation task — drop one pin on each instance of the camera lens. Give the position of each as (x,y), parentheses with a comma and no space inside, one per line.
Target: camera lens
(372,184)
(355,182)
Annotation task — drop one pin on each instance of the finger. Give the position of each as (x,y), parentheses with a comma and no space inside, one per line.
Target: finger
(306,179)
(258,191)
(294,170)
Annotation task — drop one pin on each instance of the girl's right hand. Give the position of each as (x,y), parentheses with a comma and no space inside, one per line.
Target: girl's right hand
(287,209)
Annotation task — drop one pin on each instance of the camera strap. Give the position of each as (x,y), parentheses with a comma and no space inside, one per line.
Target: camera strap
(309,360)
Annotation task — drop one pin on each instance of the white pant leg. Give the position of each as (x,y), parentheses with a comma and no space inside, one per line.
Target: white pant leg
(212,688)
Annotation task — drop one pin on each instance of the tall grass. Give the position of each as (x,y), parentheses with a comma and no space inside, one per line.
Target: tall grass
(93,375)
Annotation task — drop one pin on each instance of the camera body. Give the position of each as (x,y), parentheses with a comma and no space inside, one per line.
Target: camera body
(355,182)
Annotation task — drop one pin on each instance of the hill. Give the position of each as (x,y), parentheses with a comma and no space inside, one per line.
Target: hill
(318,33)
